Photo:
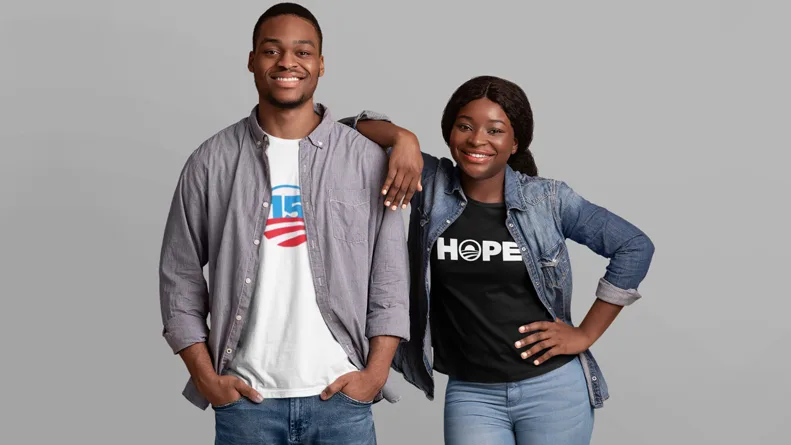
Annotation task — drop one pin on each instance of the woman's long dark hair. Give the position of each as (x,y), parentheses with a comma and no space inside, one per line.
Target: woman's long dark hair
(512,100)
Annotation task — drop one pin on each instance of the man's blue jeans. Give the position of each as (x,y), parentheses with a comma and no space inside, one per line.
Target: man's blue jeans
(302,420)
(551,409)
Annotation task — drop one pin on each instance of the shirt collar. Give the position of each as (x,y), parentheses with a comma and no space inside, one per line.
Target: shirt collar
(318,137)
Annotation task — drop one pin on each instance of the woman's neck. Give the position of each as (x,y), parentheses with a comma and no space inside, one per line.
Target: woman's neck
(489,190)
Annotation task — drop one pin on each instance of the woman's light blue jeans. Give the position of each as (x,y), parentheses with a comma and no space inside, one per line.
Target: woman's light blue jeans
(551,409)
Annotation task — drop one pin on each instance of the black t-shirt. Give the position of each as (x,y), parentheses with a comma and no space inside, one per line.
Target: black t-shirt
(480,295)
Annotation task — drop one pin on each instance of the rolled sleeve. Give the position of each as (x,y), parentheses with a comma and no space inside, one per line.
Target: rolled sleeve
(185,330)
(391,321)
(606,291)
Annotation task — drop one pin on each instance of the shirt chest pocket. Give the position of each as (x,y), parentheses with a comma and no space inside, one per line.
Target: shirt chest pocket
(555,265)
(350,210)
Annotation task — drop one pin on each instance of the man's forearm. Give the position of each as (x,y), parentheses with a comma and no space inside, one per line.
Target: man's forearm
(383,133)
(199,364)
(599,318)
(380,356)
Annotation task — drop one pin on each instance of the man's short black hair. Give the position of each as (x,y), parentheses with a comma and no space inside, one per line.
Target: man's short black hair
(287,9)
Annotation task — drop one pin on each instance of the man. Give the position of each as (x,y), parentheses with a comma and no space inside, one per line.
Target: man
(308,281)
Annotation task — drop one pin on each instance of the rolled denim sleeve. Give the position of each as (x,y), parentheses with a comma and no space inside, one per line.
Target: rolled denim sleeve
(366,115)
(183,291)
(388,295)
(629,249)
(351,121)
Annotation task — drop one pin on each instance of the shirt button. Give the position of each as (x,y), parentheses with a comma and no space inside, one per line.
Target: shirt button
(510,225)
(463,204)
(428,250)
(447,221)
(523,249)
(593,378)
(266,204)
(321,143)
(238,317)
(257,242)
(248,281)
(228,351)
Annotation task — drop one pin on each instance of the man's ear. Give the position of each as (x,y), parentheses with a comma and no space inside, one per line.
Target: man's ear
(321,66)
(250,61)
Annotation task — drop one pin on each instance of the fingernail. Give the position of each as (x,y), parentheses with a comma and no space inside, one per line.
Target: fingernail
(384,191)
(524,355)
(387,203)
(394,207)
(518,344)
(259,399)
(535,362)
(522,329)
(403,206)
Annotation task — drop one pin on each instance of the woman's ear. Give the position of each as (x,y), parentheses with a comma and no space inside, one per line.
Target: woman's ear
(516,145)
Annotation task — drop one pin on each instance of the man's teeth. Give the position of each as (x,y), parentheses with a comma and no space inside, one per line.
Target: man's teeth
(288,79)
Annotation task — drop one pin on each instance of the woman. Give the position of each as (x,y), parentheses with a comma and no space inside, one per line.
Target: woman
(489,264)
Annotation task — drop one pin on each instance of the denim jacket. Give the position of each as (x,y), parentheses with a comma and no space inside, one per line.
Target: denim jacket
(541,215)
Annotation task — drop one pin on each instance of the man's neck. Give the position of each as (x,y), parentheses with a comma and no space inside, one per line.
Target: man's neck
(296,123)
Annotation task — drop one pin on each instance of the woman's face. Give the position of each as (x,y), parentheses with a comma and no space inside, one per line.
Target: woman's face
(482,139)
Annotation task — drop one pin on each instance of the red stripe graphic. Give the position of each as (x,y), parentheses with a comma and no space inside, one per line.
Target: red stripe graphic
(293,242)
(290,236)
(271,233)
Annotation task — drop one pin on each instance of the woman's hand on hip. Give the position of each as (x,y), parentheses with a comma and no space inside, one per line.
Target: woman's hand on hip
(555,338)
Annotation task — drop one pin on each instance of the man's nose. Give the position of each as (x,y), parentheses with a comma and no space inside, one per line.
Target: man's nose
(287,61)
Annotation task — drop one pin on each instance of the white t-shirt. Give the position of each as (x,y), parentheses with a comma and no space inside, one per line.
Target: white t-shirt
(287,350)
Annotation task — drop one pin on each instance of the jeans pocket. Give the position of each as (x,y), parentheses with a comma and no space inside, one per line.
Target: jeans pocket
(229,404)
(354,401)
(350,209)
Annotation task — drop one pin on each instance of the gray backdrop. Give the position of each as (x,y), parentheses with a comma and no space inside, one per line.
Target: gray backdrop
(672,114)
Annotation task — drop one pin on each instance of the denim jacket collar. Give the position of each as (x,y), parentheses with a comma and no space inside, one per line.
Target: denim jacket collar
(514,199)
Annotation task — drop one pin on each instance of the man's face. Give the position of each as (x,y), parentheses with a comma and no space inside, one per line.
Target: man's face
(286,63)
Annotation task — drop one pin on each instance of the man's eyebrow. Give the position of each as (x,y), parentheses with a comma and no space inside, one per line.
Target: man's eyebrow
(305,42)
(296,42)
